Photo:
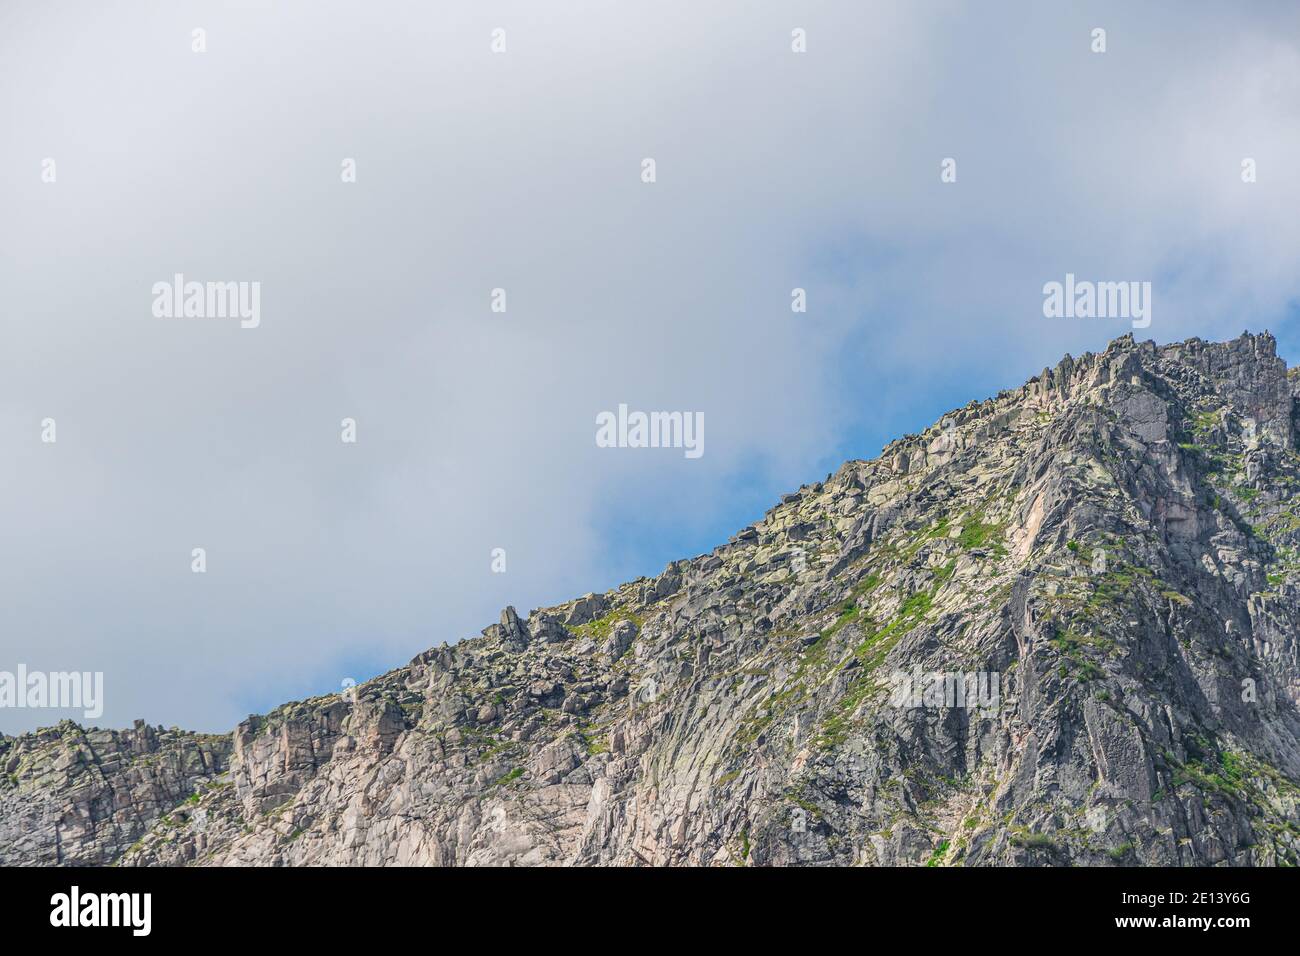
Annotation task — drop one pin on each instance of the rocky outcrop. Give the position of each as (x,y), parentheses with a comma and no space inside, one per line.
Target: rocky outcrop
(85,797)
(1059,627)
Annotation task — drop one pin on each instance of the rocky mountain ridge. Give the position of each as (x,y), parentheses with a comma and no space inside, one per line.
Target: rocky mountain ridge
(1106,562)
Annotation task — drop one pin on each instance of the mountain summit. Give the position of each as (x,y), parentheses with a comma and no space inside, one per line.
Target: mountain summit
(1058,627)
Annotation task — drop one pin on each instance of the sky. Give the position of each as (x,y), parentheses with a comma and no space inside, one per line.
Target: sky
(126,157)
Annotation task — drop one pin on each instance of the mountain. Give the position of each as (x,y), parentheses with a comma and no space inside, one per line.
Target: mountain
(1059,627)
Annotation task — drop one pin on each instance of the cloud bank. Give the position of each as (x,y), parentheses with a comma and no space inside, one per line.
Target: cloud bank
(522,171)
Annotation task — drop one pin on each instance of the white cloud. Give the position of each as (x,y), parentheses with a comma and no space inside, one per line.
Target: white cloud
(475,171)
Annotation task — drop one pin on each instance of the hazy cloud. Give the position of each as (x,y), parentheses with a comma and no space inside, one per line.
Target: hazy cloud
(521,171)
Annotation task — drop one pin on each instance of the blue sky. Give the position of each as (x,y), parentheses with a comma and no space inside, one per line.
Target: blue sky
(521,170)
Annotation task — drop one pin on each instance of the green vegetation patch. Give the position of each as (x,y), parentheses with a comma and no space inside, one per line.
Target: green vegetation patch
(509,777)
(600,628)
(979,534)
(938,853)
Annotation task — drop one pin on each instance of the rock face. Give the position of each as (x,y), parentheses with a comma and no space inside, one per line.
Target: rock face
(85,797)
(1059,627)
